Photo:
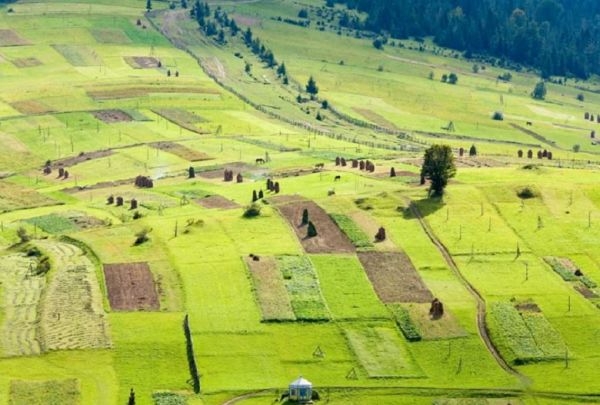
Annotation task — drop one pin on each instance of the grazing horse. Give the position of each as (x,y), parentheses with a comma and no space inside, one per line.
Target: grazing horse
(336,178)
(260,161)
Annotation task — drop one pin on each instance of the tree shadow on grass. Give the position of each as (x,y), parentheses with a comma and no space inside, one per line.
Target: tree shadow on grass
(425,206)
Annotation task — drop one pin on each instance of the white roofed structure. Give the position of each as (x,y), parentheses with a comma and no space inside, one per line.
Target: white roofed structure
(301,390)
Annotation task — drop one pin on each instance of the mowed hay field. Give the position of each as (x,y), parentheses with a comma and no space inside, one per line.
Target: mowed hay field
(97,274)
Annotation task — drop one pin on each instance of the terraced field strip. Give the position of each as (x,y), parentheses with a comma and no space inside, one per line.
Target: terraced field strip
(22,293)
(269,287)
(394,277)
(570,273)
(329,239)
(72,316)
(381,351)
(11,38)
(446,327)
(181,151)
(525,336)
(63,392)
(302,284)
(131,287)
(358,237)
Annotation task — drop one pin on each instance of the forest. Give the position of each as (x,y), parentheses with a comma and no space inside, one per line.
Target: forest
(556,37)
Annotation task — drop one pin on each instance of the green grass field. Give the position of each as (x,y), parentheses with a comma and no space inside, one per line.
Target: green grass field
(82,89)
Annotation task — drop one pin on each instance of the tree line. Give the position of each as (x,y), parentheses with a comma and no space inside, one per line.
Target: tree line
(557,37)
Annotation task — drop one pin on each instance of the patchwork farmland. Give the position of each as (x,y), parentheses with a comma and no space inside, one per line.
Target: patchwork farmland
(151,173)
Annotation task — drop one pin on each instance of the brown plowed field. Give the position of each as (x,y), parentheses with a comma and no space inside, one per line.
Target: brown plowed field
(130,287)
(112,116)
(217,201)
(11,38)
(394,277)
(236,167)
(181,151)
(142,62)
(329,239)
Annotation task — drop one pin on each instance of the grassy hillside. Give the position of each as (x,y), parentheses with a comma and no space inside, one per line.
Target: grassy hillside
(97,274)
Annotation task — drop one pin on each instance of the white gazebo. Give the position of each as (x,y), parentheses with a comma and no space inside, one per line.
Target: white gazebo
(301,390)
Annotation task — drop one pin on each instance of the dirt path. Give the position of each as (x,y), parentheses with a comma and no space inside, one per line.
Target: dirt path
(481,306)
(243,397)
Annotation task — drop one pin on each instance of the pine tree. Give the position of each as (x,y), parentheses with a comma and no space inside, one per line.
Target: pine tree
(281,70)
(311,87)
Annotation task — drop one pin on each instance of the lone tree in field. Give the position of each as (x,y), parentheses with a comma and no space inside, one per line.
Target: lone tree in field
(473,151)
(311,87)
(304,217)
(392,172)
(191,172)
(311,231)
(438,167)
(539,91)
(380,235)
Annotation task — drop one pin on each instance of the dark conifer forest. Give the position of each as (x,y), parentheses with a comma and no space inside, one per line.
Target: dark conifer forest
(557,37)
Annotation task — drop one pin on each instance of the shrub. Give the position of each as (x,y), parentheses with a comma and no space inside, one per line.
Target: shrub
(498,116)
(526,193)
(22,234)
(253,210)
(142,236)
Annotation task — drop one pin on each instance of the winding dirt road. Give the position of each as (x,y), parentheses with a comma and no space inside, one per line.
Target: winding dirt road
(481,306)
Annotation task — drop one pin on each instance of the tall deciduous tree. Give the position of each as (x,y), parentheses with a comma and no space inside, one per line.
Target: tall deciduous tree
(539,91)
(438,167)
